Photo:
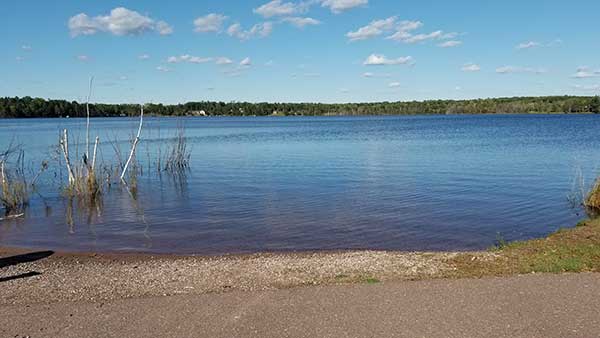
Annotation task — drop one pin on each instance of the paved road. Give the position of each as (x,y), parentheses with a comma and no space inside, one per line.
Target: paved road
(526,306)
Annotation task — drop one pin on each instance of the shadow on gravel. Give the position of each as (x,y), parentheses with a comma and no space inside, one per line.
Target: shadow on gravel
(23,275)
(20,259)
(25,258)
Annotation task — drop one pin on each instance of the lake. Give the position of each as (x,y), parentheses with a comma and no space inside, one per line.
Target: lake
(260,184)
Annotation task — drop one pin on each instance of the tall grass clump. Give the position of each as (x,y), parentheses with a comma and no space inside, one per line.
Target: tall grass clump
(178,154)
(592,200)
(14,196)
(83,182)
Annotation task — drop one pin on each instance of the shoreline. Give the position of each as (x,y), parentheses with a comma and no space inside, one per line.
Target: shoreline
(28,277)
(149,115)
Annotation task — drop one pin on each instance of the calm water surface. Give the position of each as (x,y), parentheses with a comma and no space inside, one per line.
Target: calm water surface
(303,183)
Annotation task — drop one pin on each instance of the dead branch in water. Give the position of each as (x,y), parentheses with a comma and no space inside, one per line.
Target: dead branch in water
(95,152)
(64,145)
(42,170)
(134,145)
(87,126)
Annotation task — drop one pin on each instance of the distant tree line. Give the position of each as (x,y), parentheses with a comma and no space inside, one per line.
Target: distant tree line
(15,107)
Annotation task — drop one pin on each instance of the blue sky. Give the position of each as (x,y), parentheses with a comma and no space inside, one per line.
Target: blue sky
(298,51)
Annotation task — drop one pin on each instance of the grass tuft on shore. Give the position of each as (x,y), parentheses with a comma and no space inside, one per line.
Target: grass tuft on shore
(566,250)
(593,199)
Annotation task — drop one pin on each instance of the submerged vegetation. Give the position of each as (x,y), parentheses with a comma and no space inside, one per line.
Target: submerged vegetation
(14,107)
(178,155)
(87,176)
(14,195)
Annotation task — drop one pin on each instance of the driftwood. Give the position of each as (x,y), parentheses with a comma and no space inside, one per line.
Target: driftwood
(134,145)
(11,217)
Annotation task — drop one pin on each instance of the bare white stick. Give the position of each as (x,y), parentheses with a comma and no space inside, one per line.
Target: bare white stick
(95,152)
(3,176)
(64,144)
(134,145)
(87,127)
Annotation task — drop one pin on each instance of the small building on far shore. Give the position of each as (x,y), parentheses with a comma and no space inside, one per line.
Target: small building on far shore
(198,113)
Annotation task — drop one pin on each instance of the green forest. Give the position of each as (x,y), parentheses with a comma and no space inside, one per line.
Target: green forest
(27,107)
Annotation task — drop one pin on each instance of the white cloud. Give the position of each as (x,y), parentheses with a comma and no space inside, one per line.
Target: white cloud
(376,75)
(210,23)
(536,44)
(402,31)
(19,59)
(471,67)
(223,61)
(423,37)
(164,28)
(514,69)
(260,30)
(450,44)
(143,57)
(373,29)
(338,6)
(378,27)
(394,84)
(381,60)
(188,58)
(120,21)
(83,58)
(163,69)
(246,62)
(555,42)
(407,37)
(301,22)
(528,45)
(587,87)
(26,48)
(408,26)
(280,8)
(585,72)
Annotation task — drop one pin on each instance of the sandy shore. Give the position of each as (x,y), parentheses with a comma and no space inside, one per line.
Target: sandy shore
(94,277)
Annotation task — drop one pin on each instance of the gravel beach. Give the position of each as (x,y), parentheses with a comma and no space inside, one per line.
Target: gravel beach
(94,277)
